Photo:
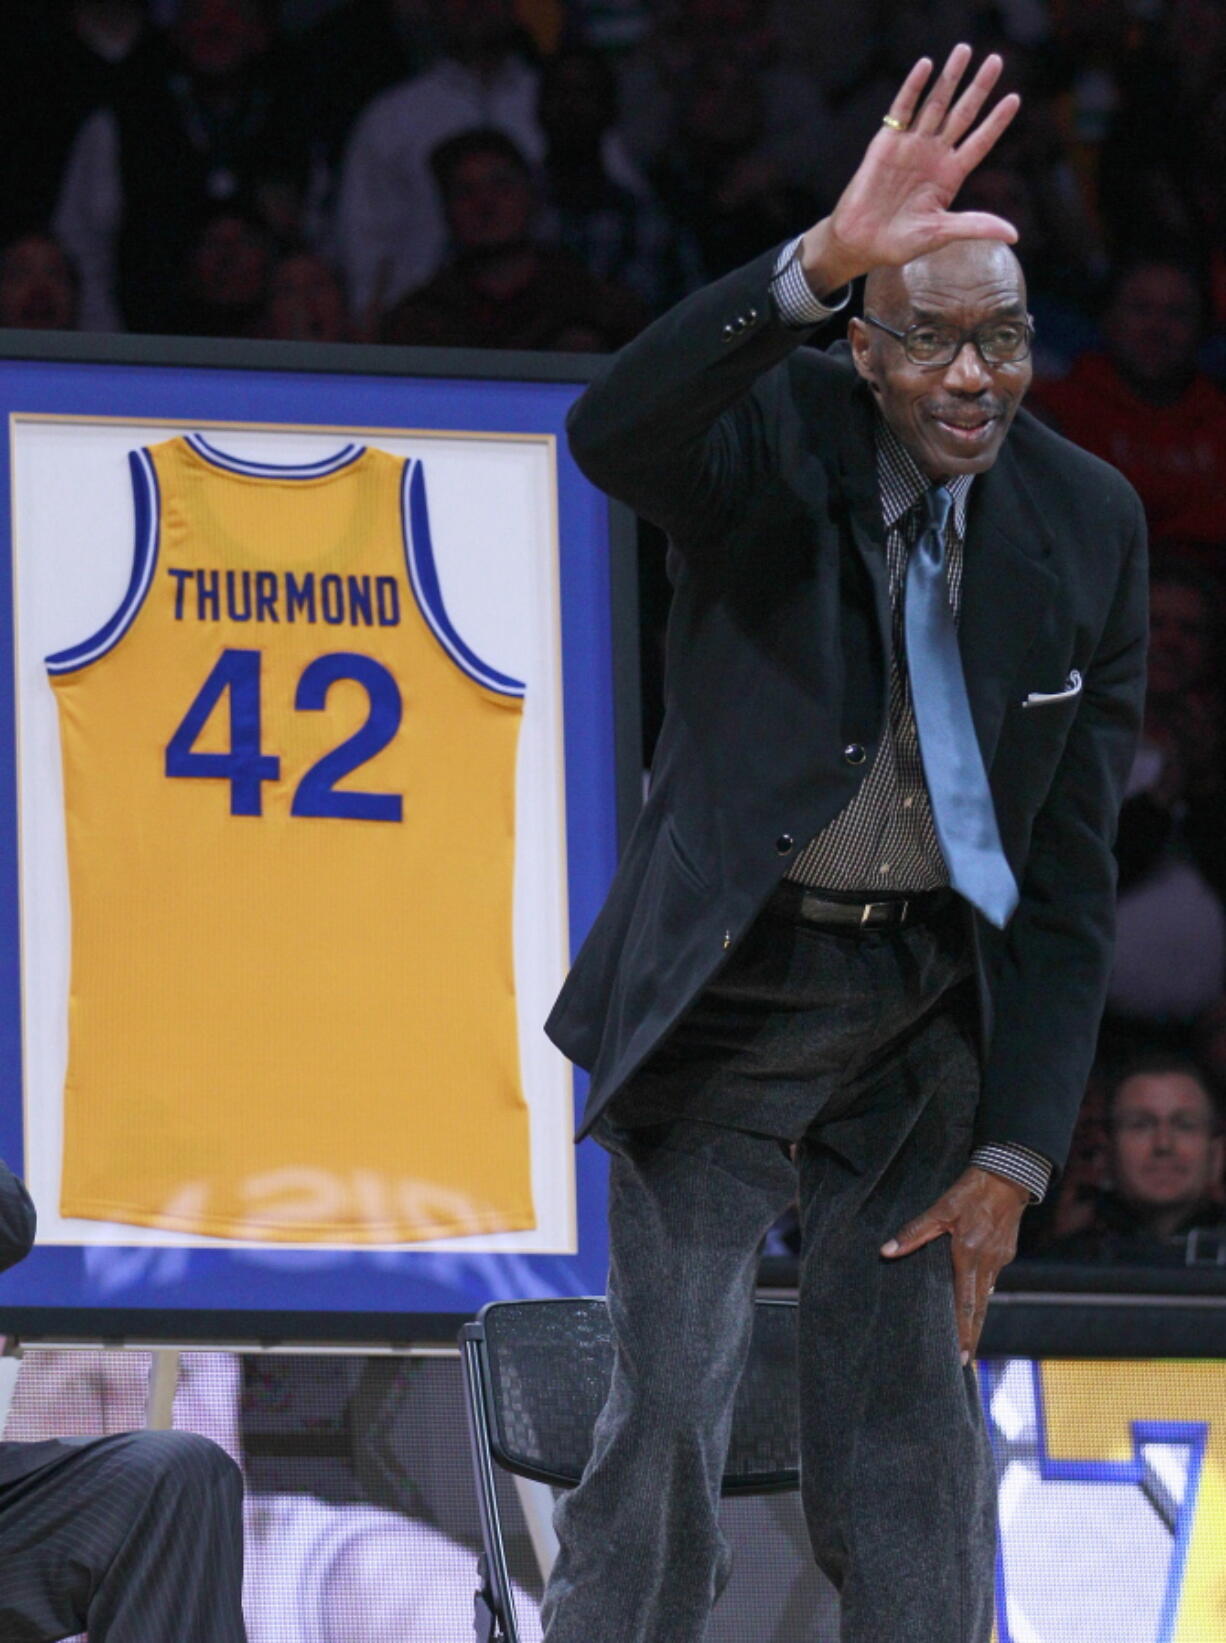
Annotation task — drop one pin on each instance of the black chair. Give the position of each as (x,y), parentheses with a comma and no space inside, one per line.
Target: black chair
(536,1374)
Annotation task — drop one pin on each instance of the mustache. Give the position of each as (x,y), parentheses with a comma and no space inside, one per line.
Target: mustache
(964,410)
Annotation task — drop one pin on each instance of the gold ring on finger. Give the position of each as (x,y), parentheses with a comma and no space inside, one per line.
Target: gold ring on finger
(894,124)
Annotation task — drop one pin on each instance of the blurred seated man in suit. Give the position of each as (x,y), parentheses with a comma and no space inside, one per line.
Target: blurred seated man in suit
(137,1537)
(1162,1206)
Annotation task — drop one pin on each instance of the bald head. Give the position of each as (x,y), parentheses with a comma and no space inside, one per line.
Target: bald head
(952,417)
(988,265)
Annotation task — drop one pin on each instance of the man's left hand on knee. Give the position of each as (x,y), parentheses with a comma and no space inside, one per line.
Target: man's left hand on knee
(980,1213)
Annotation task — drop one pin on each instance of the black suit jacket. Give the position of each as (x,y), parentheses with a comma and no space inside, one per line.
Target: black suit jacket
(756,454)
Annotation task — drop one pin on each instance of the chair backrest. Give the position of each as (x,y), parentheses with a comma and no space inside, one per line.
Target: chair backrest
(547,1367)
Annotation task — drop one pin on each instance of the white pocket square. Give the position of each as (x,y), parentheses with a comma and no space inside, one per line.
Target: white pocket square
(1039,698)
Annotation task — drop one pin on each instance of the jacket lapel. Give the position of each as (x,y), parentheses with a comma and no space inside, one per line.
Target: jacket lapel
(858,487)
(1008,580)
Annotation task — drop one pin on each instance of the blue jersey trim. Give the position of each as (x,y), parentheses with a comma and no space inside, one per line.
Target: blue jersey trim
(1191,1436)
(146,496)
(423,579)
(343,458)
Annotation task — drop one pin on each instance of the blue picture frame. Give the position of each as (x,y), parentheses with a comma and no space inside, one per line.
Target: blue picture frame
(272,1293)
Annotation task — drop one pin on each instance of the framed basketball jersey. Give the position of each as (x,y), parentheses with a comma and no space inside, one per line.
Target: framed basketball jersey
(301,914)
(314,754)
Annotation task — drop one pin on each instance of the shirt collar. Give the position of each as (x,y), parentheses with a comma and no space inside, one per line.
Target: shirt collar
(901,483)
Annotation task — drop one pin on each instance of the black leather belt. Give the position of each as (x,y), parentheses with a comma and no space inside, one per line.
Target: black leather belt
(796,901)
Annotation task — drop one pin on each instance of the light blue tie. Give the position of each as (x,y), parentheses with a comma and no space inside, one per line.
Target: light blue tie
(953,766)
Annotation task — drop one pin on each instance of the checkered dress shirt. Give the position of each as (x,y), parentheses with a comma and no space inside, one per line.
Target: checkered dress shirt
(884,839)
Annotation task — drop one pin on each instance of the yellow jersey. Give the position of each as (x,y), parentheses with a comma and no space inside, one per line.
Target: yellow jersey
(290,797)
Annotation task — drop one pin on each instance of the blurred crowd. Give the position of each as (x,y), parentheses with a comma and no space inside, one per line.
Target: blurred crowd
(550,174)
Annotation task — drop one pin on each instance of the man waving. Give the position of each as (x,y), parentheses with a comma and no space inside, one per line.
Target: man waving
(857,948)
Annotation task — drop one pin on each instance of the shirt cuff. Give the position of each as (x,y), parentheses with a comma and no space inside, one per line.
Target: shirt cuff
(793,294)
(1029,1169)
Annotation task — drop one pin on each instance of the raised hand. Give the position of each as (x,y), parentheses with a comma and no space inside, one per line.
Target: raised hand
(897,205)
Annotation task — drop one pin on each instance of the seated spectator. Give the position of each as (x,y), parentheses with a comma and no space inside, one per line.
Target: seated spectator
(38,284)
(690,39)
(1170,959)
(618,232)
(60,62)
(1162,1206)
(718,179)
(138,1535)
(1143,405)
(505,288)
(390,230)
(225,284)
(306,302)
(203,121)
(316,1570)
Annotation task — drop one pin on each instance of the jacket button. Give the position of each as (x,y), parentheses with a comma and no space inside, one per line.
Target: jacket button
(752,316)
(853,753)
(784,843)
(728,332)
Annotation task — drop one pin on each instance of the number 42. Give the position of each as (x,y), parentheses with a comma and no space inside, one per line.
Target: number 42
(247,767)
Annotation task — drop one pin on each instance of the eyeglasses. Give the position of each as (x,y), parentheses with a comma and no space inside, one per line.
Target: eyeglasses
(1148,1123)
(997,342)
